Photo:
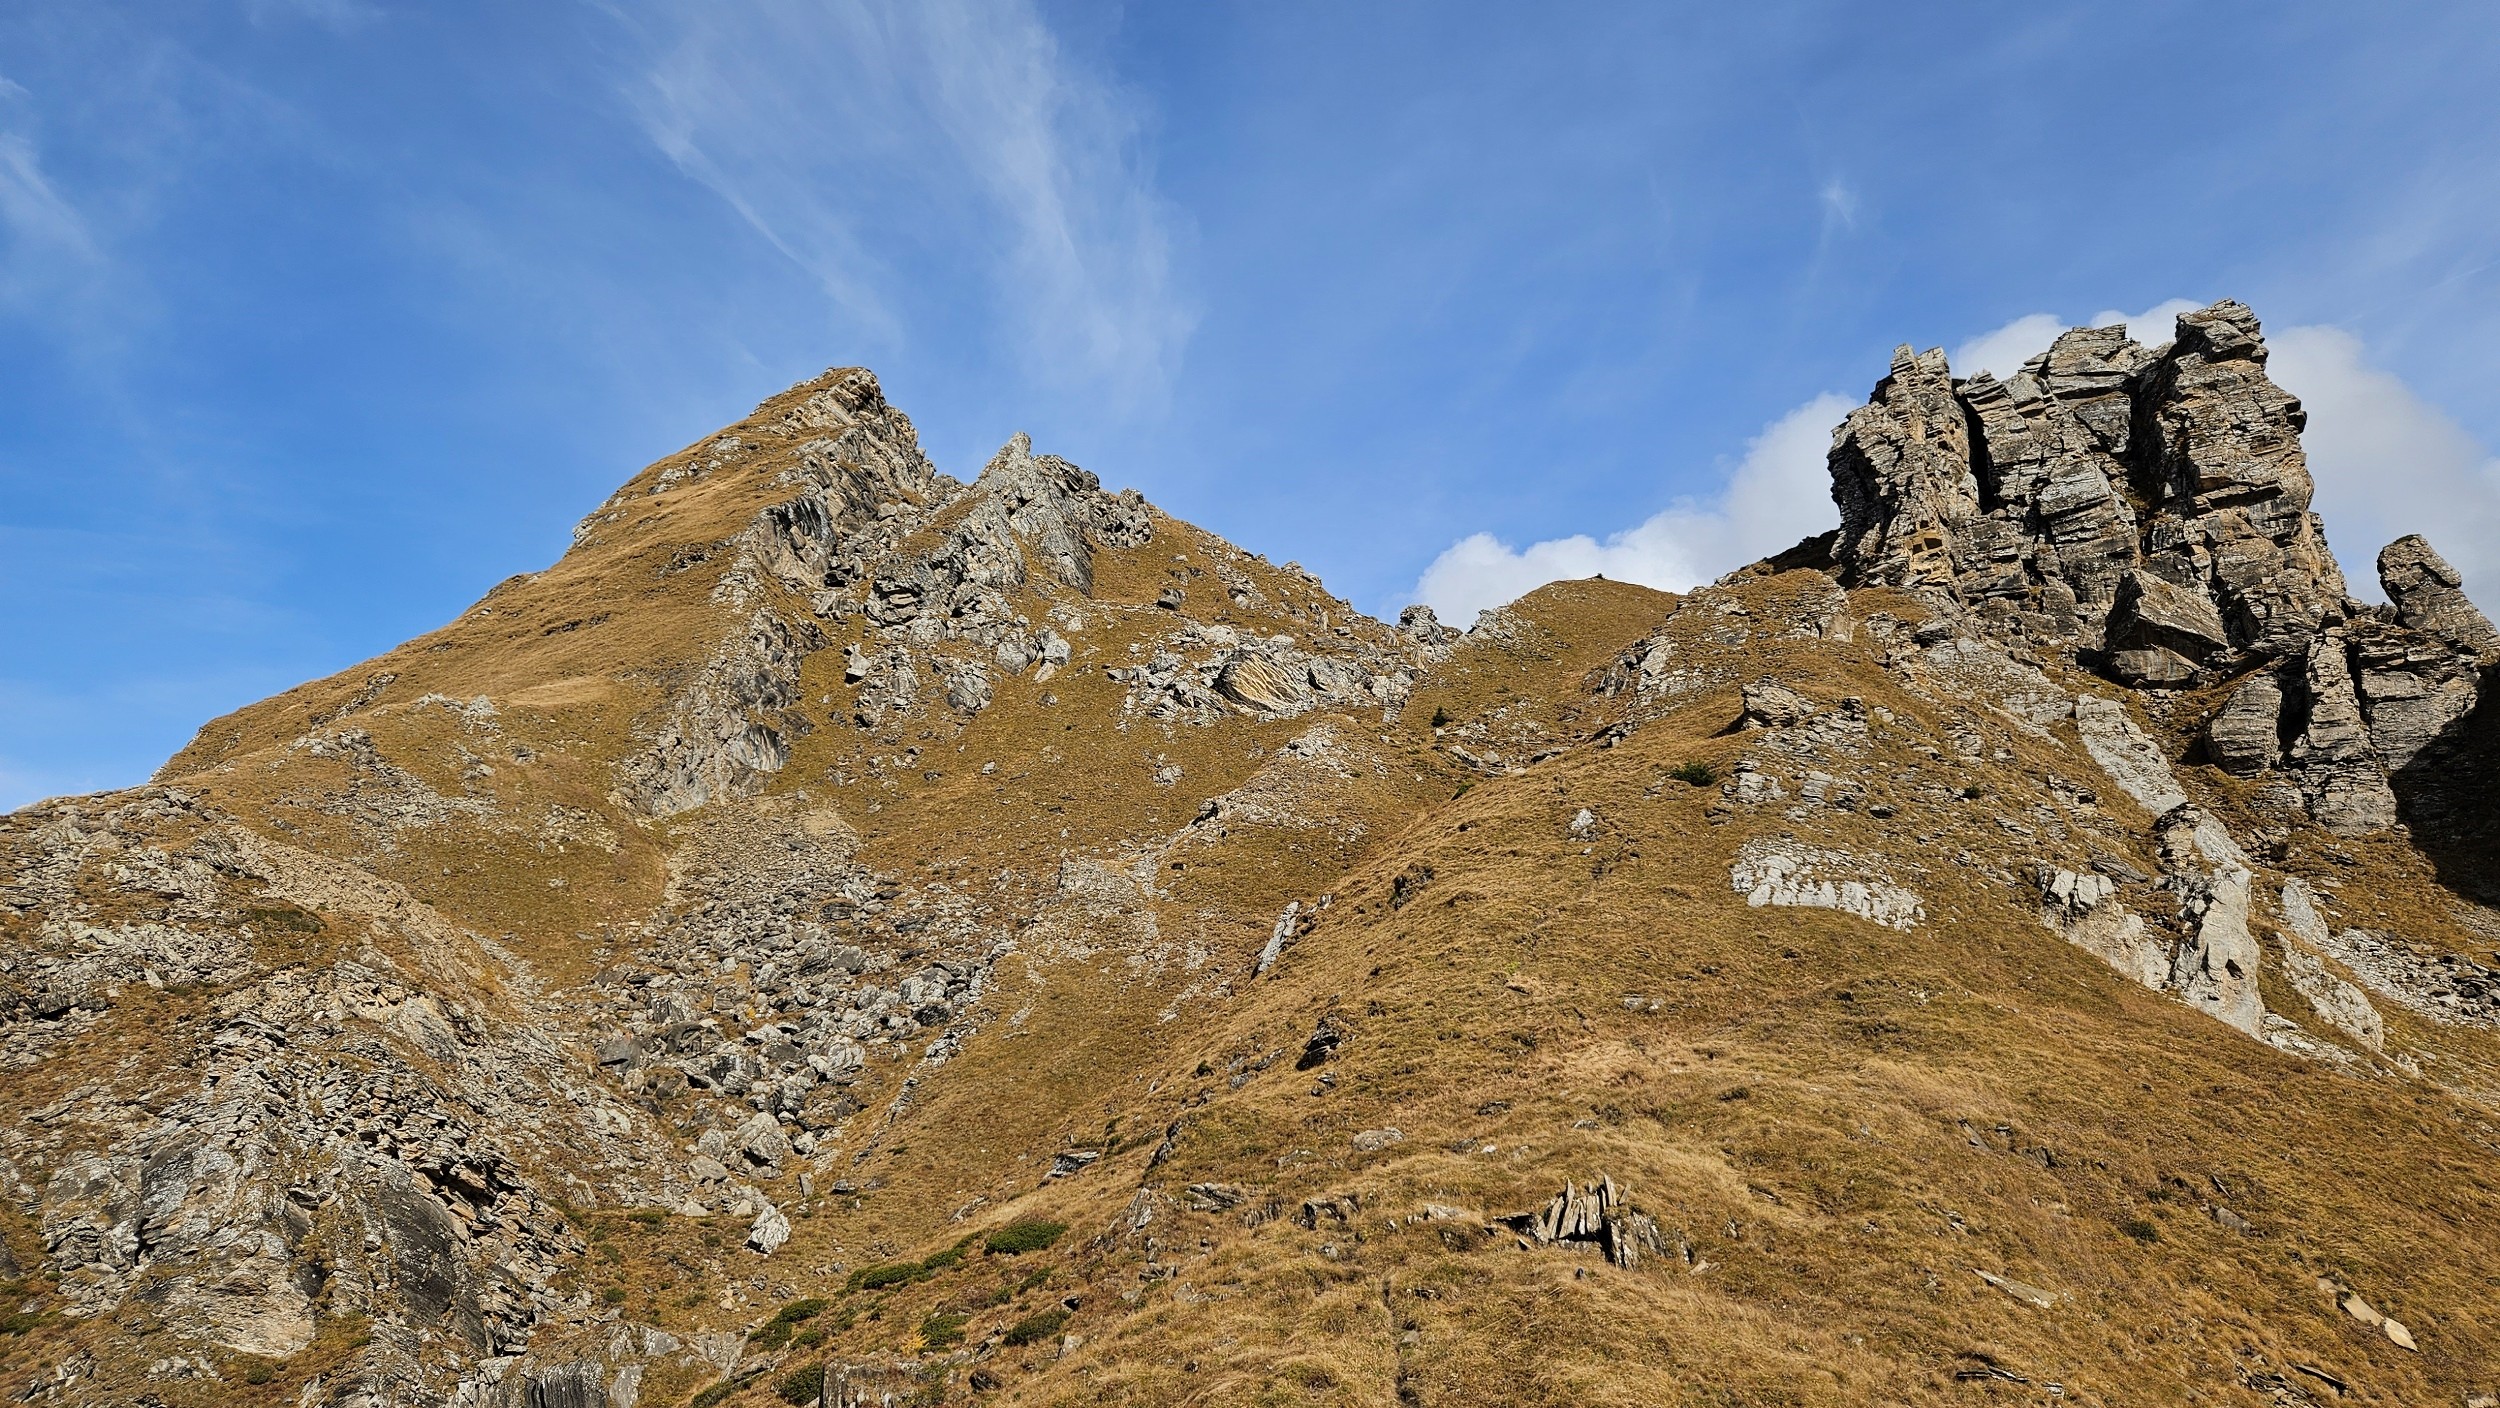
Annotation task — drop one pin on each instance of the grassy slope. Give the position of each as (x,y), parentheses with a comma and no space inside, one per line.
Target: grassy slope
(1843,1123)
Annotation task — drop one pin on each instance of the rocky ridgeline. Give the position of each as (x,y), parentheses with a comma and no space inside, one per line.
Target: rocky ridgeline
(937,580)
(2144,512)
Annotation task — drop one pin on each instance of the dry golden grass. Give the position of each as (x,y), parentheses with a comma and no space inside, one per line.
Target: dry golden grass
(1844,1124)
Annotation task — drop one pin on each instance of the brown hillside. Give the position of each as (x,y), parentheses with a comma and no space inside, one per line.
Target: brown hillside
(996,943)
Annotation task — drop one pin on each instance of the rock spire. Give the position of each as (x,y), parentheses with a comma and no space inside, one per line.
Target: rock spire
(2145,513)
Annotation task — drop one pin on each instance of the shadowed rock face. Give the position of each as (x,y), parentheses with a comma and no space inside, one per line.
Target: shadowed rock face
(2145,514)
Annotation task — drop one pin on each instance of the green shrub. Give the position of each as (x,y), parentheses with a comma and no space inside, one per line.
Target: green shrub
(722,1390)
(1027,1234)
(613,1295)
(649,1217)
(802,1385)
(1033,1329)
(943,1329)
(1696,774)
(2140,1229)
(775,1333)
(877,1278)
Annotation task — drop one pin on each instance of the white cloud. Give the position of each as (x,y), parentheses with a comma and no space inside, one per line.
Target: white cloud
(2001,352)
(1779,493)
(2388,463)
(30,208)
(854,136)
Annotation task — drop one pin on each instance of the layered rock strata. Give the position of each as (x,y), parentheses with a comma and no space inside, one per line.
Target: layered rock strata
(2145,513)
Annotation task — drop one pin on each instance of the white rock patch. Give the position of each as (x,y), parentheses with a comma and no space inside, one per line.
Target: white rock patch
(1786,873)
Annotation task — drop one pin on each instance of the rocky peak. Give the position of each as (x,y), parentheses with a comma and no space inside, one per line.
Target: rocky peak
(2145,514)
(2429,597)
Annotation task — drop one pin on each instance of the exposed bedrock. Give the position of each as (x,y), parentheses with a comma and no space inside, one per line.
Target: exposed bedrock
(2145,512)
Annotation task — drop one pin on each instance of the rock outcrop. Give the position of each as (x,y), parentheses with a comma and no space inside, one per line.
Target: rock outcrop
(2144,513)
(736,955)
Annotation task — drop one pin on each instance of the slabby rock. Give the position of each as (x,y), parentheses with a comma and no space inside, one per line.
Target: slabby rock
(1259,684)
(2244,738)
(2215,970)
(2125,752)
(771,1229)
(1772,872)
(2339,1004)
(2429,596)
(1770,704)
(2339,770)
(2083,908)
(1590,1215)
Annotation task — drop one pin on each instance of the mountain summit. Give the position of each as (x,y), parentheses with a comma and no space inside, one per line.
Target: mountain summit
(843,934)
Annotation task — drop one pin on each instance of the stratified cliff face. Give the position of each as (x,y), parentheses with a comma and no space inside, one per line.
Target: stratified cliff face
(842,930)
(2145,514)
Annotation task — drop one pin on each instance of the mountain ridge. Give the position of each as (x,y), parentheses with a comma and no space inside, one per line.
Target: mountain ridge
(1929,963)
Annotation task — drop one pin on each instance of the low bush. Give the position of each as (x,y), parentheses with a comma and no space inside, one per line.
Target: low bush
(943,1329)
(877,1278)
(1033,1329)
(775,1333)
(802,1386)
(1695,774)
(1030,1234)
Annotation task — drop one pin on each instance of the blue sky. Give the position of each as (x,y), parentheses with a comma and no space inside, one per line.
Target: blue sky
(318,317)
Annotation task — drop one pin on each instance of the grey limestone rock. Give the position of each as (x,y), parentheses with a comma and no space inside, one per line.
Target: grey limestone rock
(2128,754)
(2244,738)
(2145,513)
(2429,597)
(1772,872)
(770,1230)
(2338,768)
(1770,704)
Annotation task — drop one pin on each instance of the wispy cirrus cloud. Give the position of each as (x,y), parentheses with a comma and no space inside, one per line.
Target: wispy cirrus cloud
(40,230)
(339,16)
(877,143)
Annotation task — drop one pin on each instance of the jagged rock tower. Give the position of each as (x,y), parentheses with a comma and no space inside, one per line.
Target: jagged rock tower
(2144,513)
